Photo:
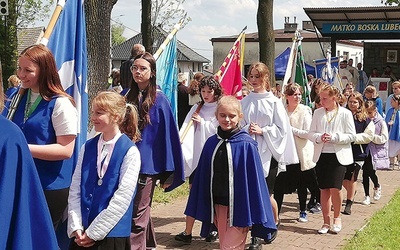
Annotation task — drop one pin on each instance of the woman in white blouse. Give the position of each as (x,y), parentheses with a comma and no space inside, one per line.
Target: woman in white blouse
(332,131)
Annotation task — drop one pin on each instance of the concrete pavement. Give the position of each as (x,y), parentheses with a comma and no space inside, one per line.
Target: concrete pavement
(169,220)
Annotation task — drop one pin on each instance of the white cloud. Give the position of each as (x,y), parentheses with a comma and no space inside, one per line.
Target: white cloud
(216,18)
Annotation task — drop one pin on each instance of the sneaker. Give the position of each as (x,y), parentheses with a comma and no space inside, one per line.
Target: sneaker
(377,193)
(185,238)
(347,208)
(366,200)
(303,216)
(212,236)
(310,205)
(316,209)
(255,244)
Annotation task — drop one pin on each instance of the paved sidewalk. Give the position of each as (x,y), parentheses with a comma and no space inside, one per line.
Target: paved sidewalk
(169,221)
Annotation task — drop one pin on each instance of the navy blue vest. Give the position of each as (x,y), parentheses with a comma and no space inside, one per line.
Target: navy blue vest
(38,129)
(95,198)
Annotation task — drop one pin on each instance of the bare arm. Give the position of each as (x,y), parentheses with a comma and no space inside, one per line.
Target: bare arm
(61,150)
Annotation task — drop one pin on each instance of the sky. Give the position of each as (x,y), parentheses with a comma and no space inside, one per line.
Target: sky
(216,18)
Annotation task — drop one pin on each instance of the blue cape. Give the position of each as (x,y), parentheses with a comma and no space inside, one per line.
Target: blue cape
(394,130)
(24,215)
(251,203)
(160,147)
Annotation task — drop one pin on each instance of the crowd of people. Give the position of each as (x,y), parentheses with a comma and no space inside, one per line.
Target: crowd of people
(240,157)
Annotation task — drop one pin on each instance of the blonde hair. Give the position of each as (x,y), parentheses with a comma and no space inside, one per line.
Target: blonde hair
(229,101)
(332,90)
(361,114)
(13,81)
(125,115)
(396,83)
(372,90)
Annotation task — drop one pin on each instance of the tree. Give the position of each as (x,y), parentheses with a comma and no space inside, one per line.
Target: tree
(161,13)
(98,44)
(391,2)
(266,35)
(146,28)
(166,13)
(117,30)
(20,14)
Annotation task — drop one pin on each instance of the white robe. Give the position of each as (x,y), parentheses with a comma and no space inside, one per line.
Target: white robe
(277,139)
(197,135)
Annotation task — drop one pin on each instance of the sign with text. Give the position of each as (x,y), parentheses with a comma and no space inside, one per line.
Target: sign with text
(360,27)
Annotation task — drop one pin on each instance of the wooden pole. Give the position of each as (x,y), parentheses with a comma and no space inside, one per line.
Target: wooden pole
(52,22)
(190,123)
(169,38)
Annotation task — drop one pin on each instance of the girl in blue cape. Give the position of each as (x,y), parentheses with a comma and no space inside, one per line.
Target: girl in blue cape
(393,122)
(229,188)
(160,147)
(24,215)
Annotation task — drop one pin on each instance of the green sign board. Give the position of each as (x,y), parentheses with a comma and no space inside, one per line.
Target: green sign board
(335,28)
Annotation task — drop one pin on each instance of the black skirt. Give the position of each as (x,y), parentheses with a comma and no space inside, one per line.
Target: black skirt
(330,173)
(112,243)
(287,182)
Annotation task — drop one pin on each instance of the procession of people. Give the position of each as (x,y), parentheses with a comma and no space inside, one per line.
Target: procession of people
(240,157)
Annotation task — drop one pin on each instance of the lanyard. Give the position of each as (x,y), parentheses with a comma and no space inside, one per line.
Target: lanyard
(30,108)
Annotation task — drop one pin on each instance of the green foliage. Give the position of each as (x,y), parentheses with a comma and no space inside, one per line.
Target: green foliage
(166,13)
(162,197)
(21,14)
(117,29)
(390,2)
(29,11)
(381,231)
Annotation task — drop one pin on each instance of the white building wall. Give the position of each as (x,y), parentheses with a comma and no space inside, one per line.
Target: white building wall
(311,51)
(347,51)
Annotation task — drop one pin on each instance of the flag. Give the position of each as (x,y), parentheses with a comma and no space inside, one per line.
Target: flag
(328,70)
(290,64)
(301,75)
(68,44)
(167,71)
(230,72)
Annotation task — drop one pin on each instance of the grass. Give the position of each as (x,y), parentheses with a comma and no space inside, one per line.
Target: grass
(382,231)
(162,197)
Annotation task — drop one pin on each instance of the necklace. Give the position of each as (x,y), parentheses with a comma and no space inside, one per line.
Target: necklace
(329,120)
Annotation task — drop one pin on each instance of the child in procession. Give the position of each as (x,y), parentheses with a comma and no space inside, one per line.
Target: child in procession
(377,150)
(228,176)
(104,182)
(204,125)
(393,122)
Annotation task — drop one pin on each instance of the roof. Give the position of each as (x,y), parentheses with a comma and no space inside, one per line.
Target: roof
(280,36)
(355,15)
(123,51)
(28,37)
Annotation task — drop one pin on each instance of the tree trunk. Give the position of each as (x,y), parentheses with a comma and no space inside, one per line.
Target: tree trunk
(8,46)
(98,14)
(266,35)
(147,39)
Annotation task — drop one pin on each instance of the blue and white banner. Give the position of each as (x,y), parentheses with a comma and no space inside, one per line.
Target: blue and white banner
(167,73)
(325,68)
(68,44)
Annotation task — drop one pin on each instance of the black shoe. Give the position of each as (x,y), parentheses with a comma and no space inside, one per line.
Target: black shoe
(212,236)
(347,208)
(272,238)
(255,244)
(186,238)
